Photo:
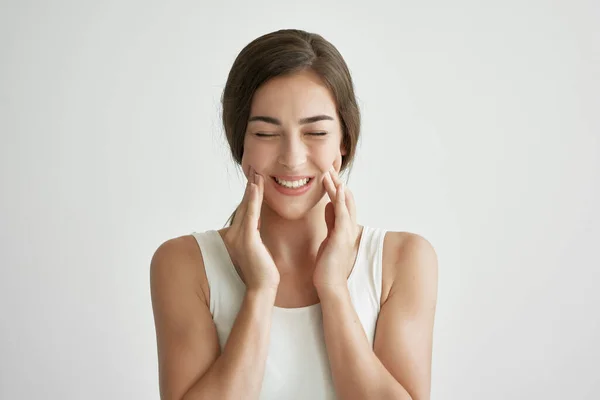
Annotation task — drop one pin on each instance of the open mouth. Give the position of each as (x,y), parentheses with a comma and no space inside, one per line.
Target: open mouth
(295,184)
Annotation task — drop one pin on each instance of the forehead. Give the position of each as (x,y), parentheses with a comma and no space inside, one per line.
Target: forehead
(295,96)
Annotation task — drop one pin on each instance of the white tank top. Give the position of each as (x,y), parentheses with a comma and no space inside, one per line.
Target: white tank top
(297,365)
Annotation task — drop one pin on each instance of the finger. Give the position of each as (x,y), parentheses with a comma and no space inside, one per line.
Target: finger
(350,204)
(329,186)
(335,176)
(330,218)
(341,211)
(254,203)
(253,210)
(242,207)
(260,181)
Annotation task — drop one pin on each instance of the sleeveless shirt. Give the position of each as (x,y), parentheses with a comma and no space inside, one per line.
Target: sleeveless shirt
(297,365)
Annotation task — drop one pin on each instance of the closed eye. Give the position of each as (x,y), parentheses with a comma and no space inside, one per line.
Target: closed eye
(309,133)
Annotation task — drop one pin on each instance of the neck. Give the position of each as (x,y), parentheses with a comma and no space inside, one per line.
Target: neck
(294,243)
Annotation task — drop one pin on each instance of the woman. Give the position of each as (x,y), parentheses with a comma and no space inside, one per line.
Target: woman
(295,299)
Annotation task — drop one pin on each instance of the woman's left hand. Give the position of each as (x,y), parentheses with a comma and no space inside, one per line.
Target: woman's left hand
(335,257)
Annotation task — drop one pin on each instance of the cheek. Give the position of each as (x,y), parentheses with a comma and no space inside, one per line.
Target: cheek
(256,156)
(338,162)
(327,156)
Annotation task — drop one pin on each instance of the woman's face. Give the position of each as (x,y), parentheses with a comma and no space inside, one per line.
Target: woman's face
(286,145)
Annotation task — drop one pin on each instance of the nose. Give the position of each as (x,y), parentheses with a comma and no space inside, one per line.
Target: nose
(292,152)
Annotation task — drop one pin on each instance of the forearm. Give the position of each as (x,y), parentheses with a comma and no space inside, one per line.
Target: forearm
(357,372)
(239,370)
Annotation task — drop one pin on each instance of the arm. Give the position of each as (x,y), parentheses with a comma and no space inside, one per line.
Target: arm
(399,366)
(190,364)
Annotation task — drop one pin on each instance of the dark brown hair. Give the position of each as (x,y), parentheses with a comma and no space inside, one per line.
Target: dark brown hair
(285,52)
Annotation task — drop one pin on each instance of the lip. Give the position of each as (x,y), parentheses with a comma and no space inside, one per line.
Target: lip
(291,191)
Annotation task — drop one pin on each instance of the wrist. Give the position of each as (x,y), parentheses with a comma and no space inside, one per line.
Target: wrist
(265,286)
(332,291)
(262,293)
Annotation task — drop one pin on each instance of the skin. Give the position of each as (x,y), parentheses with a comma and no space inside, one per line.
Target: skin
(313,241)
(293,228)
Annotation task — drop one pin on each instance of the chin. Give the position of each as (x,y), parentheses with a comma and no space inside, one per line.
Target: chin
(292,210)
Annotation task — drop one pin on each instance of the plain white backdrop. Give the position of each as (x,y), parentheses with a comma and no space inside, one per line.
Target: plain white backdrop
(481,132)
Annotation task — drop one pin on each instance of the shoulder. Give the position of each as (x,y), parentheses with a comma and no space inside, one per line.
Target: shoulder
(178,263)
(410,265)
(181,246)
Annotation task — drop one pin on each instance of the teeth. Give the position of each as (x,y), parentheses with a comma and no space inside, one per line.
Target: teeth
(293,184)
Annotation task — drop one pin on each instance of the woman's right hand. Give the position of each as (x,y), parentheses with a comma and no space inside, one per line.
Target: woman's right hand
(243,241)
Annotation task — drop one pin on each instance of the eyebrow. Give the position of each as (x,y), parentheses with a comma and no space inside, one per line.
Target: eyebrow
(303,121)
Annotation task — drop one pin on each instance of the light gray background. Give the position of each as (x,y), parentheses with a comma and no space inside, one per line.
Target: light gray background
(481,133)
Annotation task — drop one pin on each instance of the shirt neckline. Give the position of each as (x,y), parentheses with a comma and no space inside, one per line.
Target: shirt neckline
(316,306)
